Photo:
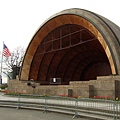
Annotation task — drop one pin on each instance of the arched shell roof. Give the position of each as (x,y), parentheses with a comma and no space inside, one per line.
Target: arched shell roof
(106,33)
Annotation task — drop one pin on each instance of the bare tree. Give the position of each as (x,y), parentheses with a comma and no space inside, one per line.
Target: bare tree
(14,62)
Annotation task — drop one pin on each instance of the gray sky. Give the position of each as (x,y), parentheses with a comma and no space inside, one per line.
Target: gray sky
(20,19)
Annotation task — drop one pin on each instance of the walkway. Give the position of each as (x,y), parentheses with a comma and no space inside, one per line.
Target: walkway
(26,114)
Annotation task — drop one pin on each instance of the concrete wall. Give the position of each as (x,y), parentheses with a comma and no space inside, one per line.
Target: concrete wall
(103,86)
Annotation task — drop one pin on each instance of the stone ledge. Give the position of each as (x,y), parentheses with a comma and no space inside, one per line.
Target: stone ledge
(111,77)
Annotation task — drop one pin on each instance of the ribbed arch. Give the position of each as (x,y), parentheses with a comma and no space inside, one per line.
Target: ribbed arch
(81,68)
(82,62)
(42,59)
(101,68)
(54,64)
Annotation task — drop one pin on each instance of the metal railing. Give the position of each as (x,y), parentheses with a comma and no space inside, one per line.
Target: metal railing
(95,108)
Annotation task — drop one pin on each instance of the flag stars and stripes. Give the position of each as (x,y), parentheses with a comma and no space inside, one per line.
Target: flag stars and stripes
(6,51)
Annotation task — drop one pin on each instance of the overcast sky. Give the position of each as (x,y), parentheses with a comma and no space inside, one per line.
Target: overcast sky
(20,19)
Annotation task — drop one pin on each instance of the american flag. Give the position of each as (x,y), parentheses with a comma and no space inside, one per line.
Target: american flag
(6,51)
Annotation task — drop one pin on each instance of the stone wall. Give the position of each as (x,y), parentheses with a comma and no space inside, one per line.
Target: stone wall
(103,86)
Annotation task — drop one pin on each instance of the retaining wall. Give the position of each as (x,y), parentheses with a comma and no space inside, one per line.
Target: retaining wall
(103,86)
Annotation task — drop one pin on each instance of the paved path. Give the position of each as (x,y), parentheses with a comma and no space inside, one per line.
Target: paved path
(25,114)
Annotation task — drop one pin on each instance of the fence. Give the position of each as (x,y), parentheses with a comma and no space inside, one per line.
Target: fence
(95,108)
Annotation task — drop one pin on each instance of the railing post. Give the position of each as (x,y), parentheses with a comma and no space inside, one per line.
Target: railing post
(76,115)
(116,110)
(45,110)
(18,102)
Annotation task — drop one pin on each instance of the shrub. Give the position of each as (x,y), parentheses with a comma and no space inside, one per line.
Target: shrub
(2,87)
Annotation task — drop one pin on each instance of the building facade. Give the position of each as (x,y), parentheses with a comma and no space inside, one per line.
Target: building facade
(80,48)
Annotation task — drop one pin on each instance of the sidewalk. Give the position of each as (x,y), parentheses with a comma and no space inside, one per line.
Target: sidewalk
(25,114)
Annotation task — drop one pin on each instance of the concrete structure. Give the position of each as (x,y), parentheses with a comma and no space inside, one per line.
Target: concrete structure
(78,46)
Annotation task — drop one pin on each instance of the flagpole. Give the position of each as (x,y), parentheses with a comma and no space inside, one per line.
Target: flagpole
(1,65)
(1,71)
